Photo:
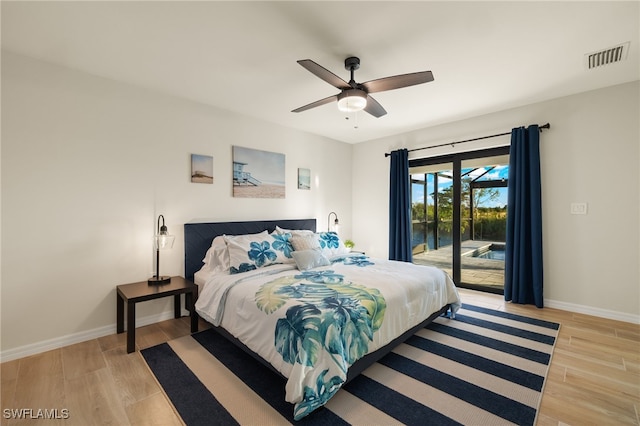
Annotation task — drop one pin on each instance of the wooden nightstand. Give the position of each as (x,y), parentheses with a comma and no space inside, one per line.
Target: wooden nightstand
(142,291)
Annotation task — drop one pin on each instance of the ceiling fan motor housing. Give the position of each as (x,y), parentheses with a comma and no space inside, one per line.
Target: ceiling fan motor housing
(352,63)
(352,100)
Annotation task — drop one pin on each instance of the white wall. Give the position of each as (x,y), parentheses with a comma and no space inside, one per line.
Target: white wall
(590,154)
(88,164)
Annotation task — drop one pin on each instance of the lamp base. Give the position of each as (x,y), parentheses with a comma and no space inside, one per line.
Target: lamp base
(159,280)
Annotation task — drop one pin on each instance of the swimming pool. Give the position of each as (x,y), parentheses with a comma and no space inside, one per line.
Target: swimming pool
(492,251)
(492,254)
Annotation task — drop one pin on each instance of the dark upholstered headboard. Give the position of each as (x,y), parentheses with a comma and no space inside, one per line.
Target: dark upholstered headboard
(198,236)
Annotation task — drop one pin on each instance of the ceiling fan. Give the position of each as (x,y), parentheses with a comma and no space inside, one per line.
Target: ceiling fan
(355,96)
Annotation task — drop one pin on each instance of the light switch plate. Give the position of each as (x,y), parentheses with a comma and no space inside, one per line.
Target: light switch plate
(578,208)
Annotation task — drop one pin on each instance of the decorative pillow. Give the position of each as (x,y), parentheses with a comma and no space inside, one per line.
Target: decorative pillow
(248,252)
(305,242)
(331,244)
(217,257)
(309,259)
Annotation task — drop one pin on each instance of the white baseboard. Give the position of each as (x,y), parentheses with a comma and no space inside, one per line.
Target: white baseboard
(596,312)
(83,336)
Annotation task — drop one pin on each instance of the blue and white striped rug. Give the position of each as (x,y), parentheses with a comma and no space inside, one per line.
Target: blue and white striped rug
(484,367)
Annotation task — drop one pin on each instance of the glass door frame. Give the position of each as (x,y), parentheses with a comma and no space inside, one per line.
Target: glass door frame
(456,159)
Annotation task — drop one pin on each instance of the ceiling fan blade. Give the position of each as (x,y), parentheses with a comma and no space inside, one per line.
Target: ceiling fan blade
(374,108)
(398,81)
(316,103)
(324,74)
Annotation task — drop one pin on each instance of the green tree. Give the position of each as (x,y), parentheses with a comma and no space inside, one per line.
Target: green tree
(418,212)
(445,203)
(482,196)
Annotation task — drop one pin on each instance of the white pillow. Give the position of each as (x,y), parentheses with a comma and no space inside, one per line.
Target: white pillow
(305,242)
(309,259)
(217,257)
(248,252)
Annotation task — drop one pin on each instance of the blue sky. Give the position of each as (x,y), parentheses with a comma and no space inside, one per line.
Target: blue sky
(265,166)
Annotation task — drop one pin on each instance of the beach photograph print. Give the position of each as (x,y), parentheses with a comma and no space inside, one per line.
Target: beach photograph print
(304,179)
(201,168)
(258,174)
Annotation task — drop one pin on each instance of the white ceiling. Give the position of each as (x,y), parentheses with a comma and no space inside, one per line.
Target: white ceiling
(241,56)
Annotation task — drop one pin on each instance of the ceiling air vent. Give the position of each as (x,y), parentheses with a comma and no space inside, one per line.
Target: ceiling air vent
(607,56)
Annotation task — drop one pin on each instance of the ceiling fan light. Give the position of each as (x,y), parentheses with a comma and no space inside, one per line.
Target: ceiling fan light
(352,100)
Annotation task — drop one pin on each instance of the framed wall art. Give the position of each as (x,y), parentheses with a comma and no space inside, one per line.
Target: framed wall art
(258,174)
(201,168)
(304,178)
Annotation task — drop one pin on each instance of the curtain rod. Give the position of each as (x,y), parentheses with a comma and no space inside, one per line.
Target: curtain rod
(544,126)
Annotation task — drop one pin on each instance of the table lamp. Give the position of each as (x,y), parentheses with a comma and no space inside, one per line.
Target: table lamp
(162,240)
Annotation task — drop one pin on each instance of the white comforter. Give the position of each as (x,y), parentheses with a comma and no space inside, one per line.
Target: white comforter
(311,326)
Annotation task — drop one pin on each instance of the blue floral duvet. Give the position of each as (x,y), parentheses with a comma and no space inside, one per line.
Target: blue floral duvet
(312,325)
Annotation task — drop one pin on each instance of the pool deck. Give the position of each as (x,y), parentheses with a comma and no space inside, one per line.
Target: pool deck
(475,270)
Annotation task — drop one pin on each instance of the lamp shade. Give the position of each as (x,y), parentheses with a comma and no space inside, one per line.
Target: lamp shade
(352,100)
(163,241)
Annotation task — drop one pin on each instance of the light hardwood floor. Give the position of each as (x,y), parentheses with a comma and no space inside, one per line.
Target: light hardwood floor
(594,376)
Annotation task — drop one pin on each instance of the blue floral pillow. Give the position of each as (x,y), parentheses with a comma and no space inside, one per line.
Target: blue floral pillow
(330,244)
(249,252)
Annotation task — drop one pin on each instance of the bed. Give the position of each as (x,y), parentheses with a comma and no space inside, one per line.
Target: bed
(299,302)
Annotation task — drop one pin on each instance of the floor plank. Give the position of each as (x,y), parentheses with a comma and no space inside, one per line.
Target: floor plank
(98,403)
(39,385)
(152,411)
(132,376)
(82,358)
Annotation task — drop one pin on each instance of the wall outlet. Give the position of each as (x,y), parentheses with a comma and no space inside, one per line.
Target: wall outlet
(578,208)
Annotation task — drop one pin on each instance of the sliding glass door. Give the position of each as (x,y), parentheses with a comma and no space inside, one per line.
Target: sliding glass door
(432,214)
(485,219)
(459,215)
